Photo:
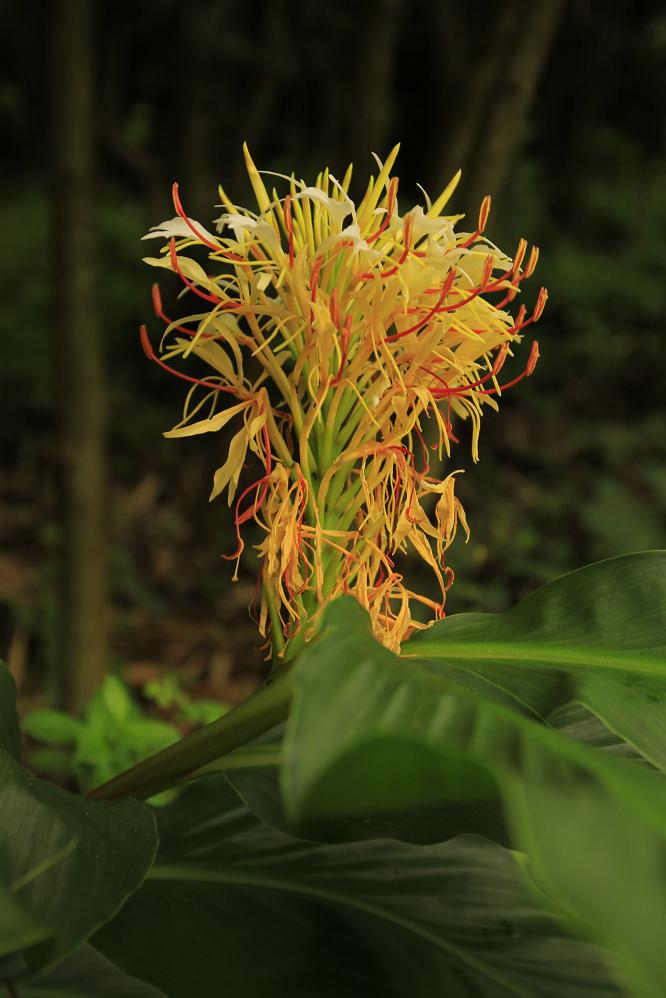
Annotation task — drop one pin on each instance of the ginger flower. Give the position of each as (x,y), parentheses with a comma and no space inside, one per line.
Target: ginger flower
(333,331)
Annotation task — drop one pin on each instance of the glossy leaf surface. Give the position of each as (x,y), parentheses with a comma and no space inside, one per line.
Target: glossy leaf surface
(596,637)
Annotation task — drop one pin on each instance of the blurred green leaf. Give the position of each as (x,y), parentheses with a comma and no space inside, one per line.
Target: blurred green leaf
(92,747)
(52,762)
(202,711)
(10,736)
(112,737)
(145,736)
(619,520)
(117,699)
(52,727)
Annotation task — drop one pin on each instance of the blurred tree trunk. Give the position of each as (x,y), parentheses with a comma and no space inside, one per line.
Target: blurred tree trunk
(272,67)
(198,184)
(467,76)
(79,384)
(527,33)
(487,83)
(130,152)
(369,110)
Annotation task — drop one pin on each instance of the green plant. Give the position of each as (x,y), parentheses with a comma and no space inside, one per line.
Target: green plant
(111,736)
(381,818)
(168,693)
(471,807)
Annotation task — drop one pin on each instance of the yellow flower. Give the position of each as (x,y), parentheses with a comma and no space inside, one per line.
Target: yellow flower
(337,329)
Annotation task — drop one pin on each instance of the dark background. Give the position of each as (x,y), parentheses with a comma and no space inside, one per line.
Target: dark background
(555,108)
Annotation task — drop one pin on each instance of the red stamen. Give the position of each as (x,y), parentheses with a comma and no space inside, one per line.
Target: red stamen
(532,359)
(390,205)
(529,369)
(542,298)
(334,308)
(151,355)
(502,354)
(462,389)
(519,255)
(532,262)
(483,288)
(487,270)
(409,225)
(446,287)
(314,277)
(200,236)
(159,312)
(484,211)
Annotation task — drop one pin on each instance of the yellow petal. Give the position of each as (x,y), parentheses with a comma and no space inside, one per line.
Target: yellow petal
(230,471)
(258,187)
(192,270)
(208,425)
(436,208)
(373,195)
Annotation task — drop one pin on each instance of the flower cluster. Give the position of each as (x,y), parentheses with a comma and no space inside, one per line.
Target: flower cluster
(332,332)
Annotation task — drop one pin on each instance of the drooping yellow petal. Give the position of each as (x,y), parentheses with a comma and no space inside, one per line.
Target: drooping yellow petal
(208,425)
(230,471)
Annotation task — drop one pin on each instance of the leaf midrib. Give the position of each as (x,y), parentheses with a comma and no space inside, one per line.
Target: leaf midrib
(534,655)
(203,875)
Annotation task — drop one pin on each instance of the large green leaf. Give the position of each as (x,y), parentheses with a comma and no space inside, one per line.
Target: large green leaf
(254,775)
(86,974)
(368,727)
(596,637)
(233,907)
(10,737)
(68,865)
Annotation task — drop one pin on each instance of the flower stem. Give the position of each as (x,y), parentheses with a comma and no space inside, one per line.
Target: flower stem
(259,713)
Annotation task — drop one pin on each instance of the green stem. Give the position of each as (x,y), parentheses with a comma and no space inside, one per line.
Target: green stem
(277,638)
(259,713)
